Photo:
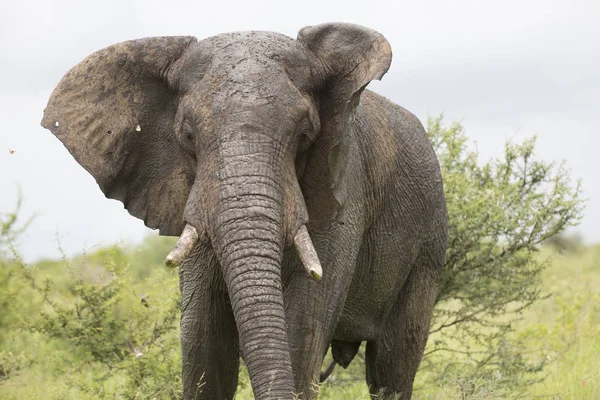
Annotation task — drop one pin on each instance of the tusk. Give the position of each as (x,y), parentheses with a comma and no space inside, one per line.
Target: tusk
(308,255)
(183,248)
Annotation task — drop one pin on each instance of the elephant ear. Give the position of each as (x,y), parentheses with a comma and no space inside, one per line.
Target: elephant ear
(115,112)
(344,58)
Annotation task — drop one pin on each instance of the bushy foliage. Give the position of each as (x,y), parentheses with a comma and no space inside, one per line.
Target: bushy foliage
(10,291)
(121,328)
(114,323)
(500,212)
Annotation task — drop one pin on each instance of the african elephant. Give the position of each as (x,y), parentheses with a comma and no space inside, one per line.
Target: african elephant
(268,157)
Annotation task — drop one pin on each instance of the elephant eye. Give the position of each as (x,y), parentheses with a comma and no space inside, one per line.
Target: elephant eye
(188,130)
(187,137)
(304,142)
(306,136)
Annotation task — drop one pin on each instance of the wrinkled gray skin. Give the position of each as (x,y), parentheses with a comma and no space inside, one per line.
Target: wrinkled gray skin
(247,136)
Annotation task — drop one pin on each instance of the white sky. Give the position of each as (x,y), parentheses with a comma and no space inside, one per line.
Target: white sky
(505,69)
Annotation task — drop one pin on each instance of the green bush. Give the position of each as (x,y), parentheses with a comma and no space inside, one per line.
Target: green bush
(500,212)
(106,327)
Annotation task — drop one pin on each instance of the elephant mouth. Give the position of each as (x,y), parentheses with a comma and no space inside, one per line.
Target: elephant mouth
(302,242)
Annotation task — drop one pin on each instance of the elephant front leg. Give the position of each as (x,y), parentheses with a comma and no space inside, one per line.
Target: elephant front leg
(308,335)
(209,341)
(313,309)
(312,315)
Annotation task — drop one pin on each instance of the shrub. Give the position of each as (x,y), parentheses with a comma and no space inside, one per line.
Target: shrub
(500,212)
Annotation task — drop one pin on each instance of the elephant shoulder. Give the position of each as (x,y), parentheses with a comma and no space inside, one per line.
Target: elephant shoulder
(397,154)
(390,135)
(388,119)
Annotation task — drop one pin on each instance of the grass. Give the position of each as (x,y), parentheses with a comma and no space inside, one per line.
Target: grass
(567,324)
(564,327)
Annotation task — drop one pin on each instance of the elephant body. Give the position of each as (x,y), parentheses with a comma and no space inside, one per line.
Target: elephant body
(382,260)
(249,138)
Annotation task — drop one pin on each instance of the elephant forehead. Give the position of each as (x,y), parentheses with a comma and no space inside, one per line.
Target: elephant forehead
(251,42)
(248,52)
(239,56)
(250,84)
(246,75)
(252,71)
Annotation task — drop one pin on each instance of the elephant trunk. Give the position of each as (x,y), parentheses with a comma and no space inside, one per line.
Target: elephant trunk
(248,240)
(251,216)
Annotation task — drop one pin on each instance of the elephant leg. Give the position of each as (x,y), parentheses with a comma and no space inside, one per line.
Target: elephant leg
(209,341)
(392,359)
(308,336)
(313,309)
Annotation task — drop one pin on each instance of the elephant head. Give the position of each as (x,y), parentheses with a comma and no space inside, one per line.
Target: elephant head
(236,141)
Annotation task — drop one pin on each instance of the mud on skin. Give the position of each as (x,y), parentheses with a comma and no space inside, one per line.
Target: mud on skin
(260,145)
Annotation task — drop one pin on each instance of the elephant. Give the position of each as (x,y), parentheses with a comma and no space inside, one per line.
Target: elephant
(310,211)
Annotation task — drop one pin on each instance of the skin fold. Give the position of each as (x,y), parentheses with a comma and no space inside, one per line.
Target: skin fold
(250,138)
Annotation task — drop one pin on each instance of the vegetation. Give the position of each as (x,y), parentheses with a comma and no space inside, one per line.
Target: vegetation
(518,314)
(499,213)
(98,324)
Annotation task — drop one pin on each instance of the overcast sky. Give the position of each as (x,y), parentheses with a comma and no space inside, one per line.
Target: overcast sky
(505,69)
